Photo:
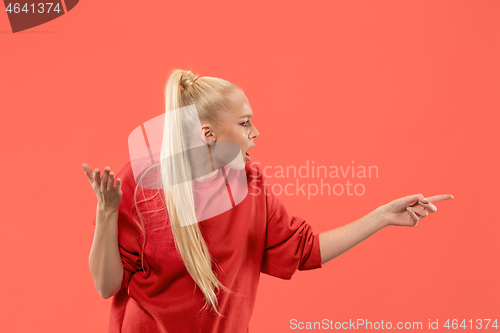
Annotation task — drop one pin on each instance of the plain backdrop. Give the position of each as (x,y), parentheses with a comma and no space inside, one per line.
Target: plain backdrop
(409,87)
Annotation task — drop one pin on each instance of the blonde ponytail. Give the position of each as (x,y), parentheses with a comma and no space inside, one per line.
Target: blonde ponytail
(210,97)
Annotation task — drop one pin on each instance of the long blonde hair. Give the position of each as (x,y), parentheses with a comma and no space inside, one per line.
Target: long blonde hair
(212,98)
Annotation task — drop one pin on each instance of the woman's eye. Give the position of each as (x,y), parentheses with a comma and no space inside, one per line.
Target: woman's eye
(245,123)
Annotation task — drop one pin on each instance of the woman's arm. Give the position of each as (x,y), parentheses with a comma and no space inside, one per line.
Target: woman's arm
(406,211)
(336,241)
(105,262)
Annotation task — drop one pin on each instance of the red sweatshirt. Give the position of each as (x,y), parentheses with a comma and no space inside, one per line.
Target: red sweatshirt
(257,235)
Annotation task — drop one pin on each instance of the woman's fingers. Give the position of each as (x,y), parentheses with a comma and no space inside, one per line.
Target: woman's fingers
(440,197)
(96,185)
(421,213)
(430,207)
(97,178)
(104,187)
(416,214)
(413,216)
(104,180)
(417,207)
(111,181)
(88,172)
(118,186)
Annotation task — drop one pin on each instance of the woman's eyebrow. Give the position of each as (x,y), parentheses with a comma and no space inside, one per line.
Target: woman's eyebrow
(247,115)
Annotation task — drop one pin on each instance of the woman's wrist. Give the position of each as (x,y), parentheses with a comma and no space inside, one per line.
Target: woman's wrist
(383,214)
(106,211)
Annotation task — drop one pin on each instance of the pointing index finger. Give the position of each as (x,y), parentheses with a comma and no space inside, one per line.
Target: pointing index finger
(440,197)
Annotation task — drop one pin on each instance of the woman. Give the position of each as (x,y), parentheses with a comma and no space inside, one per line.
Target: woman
(193,274)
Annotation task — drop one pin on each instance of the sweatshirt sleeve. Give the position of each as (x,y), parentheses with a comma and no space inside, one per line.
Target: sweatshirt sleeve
(129,234)
(290,242)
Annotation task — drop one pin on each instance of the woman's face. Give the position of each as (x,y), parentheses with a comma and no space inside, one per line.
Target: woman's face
(237,126)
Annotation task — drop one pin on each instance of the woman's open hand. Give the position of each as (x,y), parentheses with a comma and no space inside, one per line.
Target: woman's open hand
(109,195)
(407,211)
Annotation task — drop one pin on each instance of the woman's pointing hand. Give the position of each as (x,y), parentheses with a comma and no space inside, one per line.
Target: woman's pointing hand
(407,211)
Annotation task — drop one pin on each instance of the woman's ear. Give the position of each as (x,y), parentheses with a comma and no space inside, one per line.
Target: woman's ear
(206,134)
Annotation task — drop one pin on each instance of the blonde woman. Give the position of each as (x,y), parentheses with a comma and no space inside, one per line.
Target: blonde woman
(169,271)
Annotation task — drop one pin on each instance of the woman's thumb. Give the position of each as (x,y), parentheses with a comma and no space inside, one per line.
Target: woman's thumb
(422,198)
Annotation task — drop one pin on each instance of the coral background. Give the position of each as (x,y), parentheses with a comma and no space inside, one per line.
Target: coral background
(410,87)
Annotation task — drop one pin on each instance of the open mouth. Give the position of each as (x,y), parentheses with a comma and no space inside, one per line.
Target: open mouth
(246,153)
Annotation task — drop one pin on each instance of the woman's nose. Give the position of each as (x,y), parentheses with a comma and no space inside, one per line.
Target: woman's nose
(255,133)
